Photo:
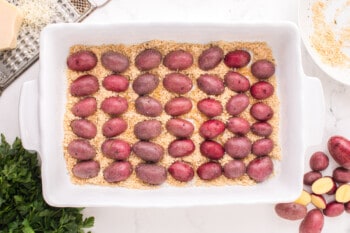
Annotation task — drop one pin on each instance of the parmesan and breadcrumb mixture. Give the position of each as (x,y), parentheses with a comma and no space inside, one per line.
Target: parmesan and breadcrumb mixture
(258,50)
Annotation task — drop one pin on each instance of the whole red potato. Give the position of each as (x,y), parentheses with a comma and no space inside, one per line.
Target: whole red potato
(339,148)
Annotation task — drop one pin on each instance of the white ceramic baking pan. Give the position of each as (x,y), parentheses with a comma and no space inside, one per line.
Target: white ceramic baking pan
(42,107)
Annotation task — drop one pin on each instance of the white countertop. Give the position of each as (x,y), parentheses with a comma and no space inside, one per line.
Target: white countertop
(220,219)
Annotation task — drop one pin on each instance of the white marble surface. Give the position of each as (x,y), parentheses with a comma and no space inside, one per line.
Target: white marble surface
(221,219)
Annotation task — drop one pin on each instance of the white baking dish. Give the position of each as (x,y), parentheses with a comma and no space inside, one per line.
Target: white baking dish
(42,108)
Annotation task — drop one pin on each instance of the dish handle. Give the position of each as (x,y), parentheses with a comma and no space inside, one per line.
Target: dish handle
(314,110)
(29,116)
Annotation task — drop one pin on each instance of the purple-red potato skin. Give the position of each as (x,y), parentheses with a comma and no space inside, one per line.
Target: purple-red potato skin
(178,106)
(263,129)
(236,81)
(181,171)
(181,148)
(334,209)
(116,149)
(261,112)
(114,105)
(262,90)
(84,85)
(311,176)
(179,127)
(339,148)
(83,128)
(117,171)
(148,151)
(237,58)
(178,60)
(148,106)
(319,161)
(341,175)
(151,173)
(260,168)
(238,147)
(262,146)
(177,83)
(148,59)
(81,149)
(211,84)
(237,104)
(313,222)
(238,125)
(210,107)
(116,83)
(211,128)
(82,61)
(262,69)
(145,84)
(85,107)
(212,150)
(115,61)
(114,127)
(210,58)
(86,169)
(148,129)
(209,170)
(291,211)
(234,169)
(347,207)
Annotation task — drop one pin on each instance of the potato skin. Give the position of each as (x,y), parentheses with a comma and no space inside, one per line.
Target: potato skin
(210,58)
(82,61)
(145,84)
(311,176)
(151,173)
(114,127)
(339,148)
(148,151)
(117,171)
(177,83)
(84,85)
(319,161)
(116,83)
(178,60)
(341,175)
(114,105)
(263,129)
(234,169)
(148,129)
(148,59)
(333,209)
(115,61)
(148,106)
(260,168)
(238,125)
(83,128)
(181,148)
(211,84)
(291,210)
(179,127)
(178,106)
(86,169)
(81,149)
(262,146)
(210,107)
(209,170)
(181,171)
(85,107)
(261,112)
(211,128)
(262,90)
(238,147)
(116,149)
(236,81)
(237,58)
(212,150)
(313,222)
(237,104)
(262,69)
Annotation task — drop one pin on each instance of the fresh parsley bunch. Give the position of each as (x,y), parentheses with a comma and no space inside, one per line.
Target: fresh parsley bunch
(22,207)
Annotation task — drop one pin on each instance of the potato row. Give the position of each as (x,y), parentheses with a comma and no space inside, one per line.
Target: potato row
(149,171)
